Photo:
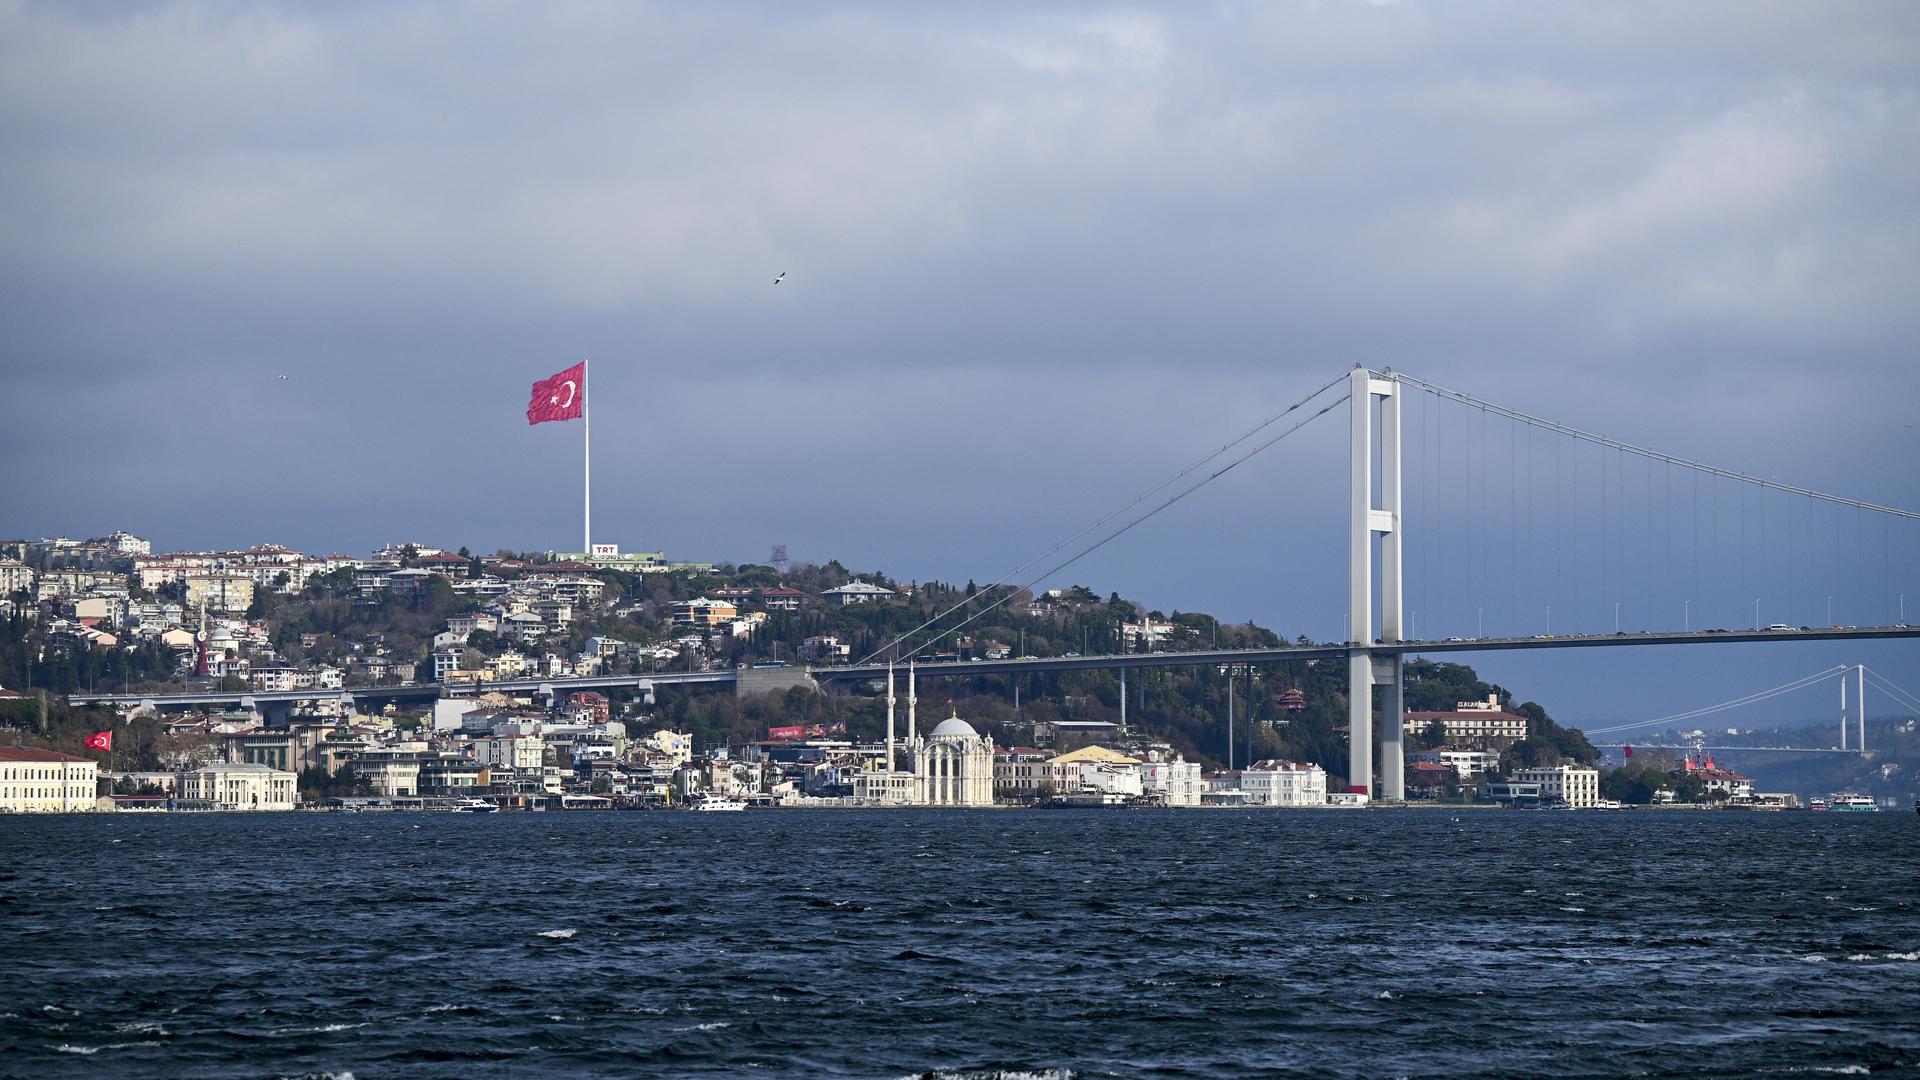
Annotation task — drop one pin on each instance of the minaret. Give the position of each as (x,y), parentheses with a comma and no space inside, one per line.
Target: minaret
(890,717)
(913,737)
(201,667)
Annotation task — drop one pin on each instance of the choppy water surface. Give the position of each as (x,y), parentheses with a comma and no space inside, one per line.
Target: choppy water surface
(895,943)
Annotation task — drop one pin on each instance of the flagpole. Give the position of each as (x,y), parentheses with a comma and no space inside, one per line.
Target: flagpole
(586,504)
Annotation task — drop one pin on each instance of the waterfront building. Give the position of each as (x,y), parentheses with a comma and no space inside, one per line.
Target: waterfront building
(1738,788)
(1284,783)
(232,785)
(34,781)
(1174,783)
(389,773)
(517,752)
(1524,793)
(1570,784)
(953,766)
(1019,771)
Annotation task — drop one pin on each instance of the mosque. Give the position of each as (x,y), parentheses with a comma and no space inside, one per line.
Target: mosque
(952,766)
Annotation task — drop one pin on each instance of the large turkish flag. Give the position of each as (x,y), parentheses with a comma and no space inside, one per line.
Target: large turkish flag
(560,397)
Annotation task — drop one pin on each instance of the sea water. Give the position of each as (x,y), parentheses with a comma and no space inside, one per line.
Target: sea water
(968,944)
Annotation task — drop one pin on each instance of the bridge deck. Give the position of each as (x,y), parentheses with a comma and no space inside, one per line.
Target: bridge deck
(1279,654)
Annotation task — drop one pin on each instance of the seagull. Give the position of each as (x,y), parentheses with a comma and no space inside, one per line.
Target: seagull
(783,273)
(280,377)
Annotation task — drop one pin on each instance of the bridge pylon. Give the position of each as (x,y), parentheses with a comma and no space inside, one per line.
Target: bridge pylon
(1365,671)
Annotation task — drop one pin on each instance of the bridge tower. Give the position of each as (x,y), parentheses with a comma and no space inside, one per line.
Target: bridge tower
(1365,670)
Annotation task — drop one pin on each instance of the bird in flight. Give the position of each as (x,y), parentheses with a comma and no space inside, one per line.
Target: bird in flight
(281,376)
(783,274)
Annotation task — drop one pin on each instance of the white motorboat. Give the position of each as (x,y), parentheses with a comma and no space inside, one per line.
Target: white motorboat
(714,802)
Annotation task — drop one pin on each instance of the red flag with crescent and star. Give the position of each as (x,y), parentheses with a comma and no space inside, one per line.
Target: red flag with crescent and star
(100,740)
(560,397)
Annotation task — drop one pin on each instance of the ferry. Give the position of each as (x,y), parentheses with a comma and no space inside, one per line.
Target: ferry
(1856,803)
(1816,803)
(713,802)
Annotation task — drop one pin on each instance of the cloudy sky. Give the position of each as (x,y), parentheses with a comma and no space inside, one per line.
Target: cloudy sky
(1038,259)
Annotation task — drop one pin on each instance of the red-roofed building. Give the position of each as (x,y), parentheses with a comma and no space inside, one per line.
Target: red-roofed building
(1470,720)
(35,781)
(781,598)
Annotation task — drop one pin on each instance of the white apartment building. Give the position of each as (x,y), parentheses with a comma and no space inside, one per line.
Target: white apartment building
(860,592)
(232,593)
(46,782)
(1284,783)
(390,773)
(232,785)
(447,661)
(1570,784)
(521,753)
(677,746)
(1147,631)
(14,577)
(702,611)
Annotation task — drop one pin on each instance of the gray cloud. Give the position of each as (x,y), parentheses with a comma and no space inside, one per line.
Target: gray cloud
(1037,258)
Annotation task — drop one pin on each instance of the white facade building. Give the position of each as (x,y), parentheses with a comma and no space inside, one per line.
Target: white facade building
(1569,784)
(34,781)
(231,785)
(14,577)
(521,753)
(1176,782)
(953,766)
(1284,783)
(859,592)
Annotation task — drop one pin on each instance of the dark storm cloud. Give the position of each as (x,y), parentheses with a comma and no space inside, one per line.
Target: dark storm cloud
(1038,257)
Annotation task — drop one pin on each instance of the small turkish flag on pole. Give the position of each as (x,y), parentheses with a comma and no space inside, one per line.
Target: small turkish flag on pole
(100,740)
(561,397)
(1629,751)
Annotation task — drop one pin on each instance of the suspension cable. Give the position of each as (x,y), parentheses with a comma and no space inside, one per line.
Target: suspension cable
(1684,463)
(1117,511)
(1885,684)
(1749,699)
(1123,530)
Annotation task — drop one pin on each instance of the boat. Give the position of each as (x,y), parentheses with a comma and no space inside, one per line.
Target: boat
(1816,803)
(713,802)
(475,806)
(1855,803)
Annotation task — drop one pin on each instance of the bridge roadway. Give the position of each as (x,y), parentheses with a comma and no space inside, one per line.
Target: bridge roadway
(1731,749)
(850,673)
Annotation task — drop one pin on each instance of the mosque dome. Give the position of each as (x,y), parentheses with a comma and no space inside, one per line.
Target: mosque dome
(953,725)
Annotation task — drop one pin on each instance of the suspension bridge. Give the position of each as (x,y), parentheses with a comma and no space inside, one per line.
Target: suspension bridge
(1572,540)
